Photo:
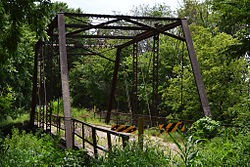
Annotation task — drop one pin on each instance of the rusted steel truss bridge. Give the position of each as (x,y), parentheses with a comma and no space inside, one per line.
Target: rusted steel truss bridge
(71,34)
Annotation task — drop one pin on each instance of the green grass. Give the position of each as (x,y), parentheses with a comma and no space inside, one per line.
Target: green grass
(155,131)
(22,149)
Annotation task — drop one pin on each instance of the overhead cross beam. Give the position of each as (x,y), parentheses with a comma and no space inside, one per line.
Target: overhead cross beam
(122,17)
(149,33)
(91,26)
(155,29)
(108,27)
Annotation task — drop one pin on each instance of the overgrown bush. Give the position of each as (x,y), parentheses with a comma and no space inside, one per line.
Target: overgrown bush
(29,150)
(7,98)
(205,128)
(221,151)
(240,112)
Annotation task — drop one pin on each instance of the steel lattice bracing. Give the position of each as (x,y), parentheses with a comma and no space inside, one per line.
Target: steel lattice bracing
(78,36)
(155,76)
(135,80)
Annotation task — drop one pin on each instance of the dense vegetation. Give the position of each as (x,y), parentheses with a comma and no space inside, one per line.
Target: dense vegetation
(220,32)
(227,149)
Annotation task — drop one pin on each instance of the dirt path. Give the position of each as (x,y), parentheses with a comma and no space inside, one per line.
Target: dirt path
(102,140)
(155,140)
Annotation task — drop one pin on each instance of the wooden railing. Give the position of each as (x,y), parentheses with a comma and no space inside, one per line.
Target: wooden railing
(94,134)
(85,133)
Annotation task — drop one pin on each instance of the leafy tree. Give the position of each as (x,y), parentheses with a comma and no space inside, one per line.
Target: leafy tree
(21,24)
(233,18)
(224,76)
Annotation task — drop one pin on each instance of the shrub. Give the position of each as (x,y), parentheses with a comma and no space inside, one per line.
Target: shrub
(7,98)
(221,151)
(205,128)
(29,150)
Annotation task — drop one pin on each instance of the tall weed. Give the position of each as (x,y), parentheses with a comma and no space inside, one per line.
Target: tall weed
(23,149)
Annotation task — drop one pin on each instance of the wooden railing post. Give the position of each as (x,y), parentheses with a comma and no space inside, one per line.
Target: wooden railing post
(140,132)
(73,134)
(94,141)
(83,140)
(125,141)
(59,124)
(109,141)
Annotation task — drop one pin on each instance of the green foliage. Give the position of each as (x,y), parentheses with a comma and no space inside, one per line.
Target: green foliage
(8,121)
(132,155)
(21,24)
(233,151)
(15,14)
(158,10)
(187,149)
(223,73)
(240,113)
(198,13)
(205,128)
(91,78)
(233,18)
(23,149)
(7,98)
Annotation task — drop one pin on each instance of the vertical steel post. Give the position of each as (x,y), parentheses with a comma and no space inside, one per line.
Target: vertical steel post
(135,84)
(65,82)
(34,90)
(155,77)
(196,69)
(112,91)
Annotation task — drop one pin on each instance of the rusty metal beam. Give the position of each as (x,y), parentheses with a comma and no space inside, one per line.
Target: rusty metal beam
(150,33)
(138,23)
(102,36)
(65,81)
(83,45)
(196,69)
(108,27)
(97,54)
(156,29)
(121,16)
(174,36)
(146,27)
(34,90)
(52,25)
(92,26)
(112,91)
(81,54)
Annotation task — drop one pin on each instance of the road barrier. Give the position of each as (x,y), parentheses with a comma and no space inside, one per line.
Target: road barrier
(123,128)
(172,127)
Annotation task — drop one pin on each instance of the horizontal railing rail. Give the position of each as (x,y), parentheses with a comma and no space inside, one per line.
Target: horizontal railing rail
(79,132)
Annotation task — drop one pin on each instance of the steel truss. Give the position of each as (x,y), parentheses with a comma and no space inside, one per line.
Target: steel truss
(74,38)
